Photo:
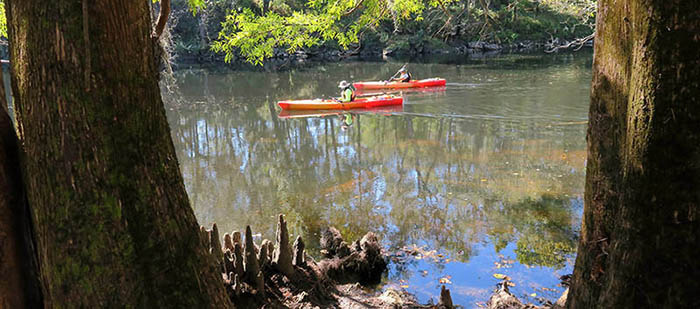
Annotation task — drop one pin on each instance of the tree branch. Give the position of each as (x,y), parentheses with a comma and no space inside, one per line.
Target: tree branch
(447,23)
(449,18)
(578,42)
(357,6)
(162,18)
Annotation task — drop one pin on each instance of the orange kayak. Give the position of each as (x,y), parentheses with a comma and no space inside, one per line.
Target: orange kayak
(382,110)
(384,100)
(430,82)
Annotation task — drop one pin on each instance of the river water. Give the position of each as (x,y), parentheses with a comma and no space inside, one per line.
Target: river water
(463,184)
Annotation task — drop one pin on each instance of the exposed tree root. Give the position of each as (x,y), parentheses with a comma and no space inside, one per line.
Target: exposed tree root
(277,276)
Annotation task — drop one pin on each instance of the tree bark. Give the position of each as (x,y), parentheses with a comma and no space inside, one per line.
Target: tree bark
(639,243)
(112,220)
(19,287)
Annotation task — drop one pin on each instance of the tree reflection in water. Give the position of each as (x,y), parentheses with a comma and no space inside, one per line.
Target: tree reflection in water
(507,176)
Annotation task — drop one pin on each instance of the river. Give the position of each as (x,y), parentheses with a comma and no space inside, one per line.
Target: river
(464,184)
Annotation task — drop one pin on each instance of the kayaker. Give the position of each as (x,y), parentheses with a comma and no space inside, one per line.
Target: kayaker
(404,76)
(347,92)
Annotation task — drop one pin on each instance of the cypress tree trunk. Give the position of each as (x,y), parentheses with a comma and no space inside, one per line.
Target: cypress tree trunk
(113,224)
(639,244)
(10,246)
(19,287)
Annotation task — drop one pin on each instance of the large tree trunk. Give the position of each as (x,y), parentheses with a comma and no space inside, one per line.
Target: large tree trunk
(639,245)
(19,287)
(113,224)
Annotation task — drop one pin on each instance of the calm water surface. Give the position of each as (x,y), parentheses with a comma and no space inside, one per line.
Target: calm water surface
(487,172)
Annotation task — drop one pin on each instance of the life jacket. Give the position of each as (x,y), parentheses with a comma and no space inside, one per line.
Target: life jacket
(351,87)
(407,79)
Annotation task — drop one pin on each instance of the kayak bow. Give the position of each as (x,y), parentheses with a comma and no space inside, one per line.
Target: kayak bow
(430,82)
(385,100)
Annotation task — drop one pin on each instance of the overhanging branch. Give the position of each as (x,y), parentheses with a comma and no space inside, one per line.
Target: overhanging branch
(162,18)
(578,43)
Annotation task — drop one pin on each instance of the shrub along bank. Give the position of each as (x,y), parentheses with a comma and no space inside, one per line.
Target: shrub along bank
(444,26)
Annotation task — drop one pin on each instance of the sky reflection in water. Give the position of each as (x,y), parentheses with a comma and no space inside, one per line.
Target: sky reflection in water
(488,172)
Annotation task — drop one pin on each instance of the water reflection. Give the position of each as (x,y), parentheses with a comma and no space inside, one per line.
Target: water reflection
(489,170)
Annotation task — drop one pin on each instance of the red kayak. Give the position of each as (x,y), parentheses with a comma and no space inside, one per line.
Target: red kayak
(430,82)
(384,100)
(383,110)
(417,91)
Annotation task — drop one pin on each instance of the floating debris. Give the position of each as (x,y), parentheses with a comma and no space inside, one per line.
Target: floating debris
(445,280)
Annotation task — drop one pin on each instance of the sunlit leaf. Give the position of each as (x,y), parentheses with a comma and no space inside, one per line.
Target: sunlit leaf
(500,276)
(3,20)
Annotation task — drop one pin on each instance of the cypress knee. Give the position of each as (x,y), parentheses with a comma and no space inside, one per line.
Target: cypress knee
(250,259)
(445,298)
(228,243)
(238,259)
(282,259)
(299,252)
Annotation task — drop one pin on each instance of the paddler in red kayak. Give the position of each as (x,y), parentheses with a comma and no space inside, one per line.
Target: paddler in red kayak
(404,76)
(347,92)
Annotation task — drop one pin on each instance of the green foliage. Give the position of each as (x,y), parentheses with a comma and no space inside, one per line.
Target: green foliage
(259,29)
(411,44)
(196,5)
(3,21)
(256,36)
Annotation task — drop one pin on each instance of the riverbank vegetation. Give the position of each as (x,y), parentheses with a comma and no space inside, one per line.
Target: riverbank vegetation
(95,196)
(254,30)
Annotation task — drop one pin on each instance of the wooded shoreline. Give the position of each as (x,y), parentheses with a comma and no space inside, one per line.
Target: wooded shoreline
(475,49)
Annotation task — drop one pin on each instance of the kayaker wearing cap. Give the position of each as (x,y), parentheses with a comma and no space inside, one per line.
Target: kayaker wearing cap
(347,92)
(404,76)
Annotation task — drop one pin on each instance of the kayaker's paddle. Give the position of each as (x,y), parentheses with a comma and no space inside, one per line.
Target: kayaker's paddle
(371,94)
(397,73)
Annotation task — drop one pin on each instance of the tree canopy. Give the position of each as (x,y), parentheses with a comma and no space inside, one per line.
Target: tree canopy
(341,21)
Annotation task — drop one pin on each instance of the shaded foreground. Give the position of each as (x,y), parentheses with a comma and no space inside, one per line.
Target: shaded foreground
(277,275)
